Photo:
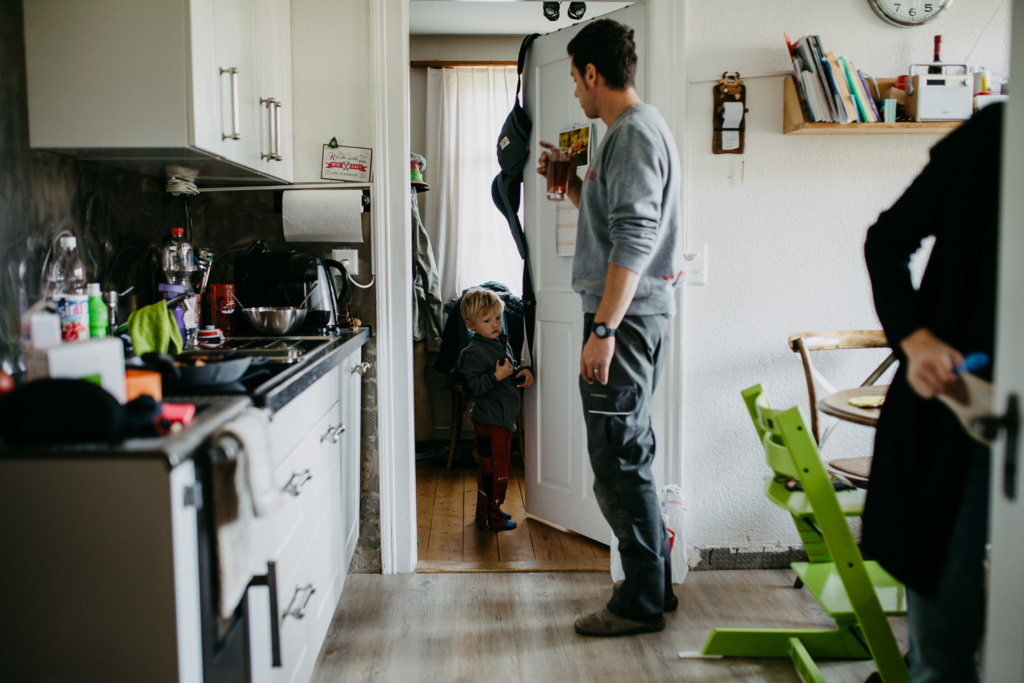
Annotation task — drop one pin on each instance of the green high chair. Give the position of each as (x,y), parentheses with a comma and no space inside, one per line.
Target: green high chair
(857,594)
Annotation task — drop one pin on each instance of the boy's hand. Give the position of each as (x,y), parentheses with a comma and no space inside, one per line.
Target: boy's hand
(527,378)
(502,369)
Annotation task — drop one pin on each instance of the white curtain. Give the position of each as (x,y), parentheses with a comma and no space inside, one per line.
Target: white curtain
(466,108)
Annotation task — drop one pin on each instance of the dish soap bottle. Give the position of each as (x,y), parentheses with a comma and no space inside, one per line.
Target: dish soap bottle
(66,288)
(98,319)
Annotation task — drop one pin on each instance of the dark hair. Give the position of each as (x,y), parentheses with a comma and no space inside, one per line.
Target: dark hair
(609,46)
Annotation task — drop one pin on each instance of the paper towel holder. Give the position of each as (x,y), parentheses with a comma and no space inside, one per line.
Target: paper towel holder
(728,137)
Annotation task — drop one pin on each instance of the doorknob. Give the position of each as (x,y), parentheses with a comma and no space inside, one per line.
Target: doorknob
(990,428)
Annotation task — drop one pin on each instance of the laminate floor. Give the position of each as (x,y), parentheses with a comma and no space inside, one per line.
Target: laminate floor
(450,542)
(519,627)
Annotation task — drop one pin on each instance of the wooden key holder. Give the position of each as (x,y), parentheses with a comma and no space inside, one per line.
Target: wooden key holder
(727,136)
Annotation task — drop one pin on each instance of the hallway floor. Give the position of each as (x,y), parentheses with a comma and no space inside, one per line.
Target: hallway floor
(450,542)
(519,627)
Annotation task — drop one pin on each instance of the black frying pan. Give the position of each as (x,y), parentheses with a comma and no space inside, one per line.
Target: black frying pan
(183,373)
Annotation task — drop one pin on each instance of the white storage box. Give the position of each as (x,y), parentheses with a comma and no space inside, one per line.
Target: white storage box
(96,360)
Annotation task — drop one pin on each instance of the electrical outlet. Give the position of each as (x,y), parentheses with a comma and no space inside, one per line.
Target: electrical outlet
(348,258)
(697,266)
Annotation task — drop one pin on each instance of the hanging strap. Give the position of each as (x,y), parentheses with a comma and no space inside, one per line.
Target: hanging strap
(522,59)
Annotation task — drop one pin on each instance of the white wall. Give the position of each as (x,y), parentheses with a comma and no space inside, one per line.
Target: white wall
(331,82)
(785,224)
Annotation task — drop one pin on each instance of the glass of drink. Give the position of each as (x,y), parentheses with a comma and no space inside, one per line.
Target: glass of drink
(558,173)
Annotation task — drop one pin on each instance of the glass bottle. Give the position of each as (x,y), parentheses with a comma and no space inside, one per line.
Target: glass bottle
(179,264)
(66,288)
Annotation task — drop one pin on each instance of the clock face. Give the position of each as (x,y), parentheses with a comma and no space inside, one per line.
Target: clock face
(906,13)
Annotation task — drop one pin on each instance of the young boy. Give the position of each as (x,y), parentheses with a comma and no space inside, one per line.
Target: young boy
(491,373)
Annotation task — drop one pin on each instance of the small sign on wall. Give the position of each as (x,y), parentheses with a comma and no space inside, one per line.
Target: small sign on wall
(346,163)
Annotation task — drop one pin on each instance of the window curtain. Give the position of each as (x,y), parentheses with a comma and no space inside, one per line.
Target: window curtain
(466,107)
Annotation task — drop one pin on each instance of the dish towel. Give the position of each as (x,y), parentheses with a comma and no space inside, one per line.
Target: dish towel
(153,328)
(243,488)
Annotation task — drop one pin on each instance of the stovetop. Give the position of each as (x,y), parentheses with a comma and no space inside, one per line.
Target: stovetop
(266,349)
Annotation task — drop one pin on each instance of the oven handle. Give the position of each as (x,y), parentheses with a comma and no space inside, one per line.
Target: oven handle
(270,581)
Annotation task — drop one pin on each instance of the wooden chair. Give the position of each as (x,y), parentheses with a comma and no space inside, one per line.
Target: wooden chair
(856,594)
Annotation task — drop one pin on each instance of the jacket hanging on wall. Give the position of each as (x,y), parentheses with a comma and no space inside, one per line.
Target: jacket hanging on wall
(506,190)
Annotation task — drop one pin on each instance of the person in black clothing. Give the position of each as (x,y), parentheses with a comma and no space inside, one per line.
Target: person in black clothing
(493,376)
(926,513)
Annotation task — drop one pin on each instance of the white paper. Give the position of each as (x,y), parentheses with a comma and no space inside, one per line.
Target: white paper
(566,218)
(733,115)
(730,139)
(322,215)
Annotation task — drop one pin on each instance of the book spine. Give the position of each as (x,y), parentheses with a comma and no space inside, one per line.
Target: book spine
(823,77)
(861,110)
(870,96)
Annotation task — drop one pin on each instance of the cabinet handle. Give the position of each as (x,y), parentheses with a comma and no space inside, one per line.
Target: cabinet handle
(235,126)
(270,581)
(277,131)
(362,368)
(272,143)
(297,481)
(299,611)
(333,434)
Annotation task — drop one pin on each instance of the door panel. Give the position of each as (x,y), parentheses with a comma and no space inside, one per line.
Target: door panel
(559,481)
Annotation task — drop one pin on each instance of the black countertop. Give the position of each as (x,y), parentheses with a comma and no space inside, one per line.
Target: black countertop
(213,409)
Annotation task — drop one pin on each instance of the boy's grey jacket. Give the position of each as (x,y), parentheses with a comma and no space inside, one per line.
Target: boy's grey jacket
(494,402)
(630,214)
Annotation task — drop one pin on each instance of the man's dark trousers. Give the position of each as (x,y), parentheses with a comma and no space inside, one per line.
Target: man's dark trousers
(620,439)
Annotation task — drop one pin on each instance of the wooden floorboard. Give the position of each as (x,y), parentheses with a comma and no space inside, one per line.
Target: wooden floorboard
(518,627)
(450,542)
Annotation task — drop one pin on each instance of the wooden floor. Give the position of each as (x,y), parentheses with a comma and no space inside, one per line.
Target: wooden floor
(519,627)
(450,541)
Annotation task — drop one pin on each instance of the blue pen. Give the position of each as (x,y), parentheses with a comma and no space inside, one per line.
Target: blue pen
(972,363)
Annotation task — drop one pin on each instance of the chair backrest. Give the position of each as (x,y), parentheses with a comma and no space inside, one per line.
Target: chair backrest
(804,343)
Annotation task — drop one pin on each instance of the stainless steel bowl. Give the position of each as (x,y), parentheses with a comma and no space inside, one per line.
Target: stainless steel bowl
(275,320)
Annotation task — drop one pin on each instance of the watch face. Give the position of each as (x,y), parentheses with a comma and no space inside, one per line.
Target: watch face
(906,13)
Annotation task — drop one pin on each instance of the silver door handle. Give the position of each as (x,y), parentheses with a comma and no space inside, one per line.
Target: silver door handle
(269,102)
(277,131)
(297,481)
(333,434)
(235,126)
(296,610)
(361,368)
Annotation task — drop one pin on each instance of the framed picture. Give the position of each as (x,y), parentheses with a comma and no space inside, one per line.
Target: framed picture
(352,164)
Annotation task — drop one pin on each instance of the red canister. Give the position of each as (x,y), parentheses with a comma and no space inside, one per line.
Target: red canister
(222,308)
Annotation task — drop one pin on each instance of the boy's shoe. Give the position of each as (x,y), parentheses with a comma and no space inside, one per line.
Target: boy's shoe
(671,601)
(604,624)
(504,525)
(504,515)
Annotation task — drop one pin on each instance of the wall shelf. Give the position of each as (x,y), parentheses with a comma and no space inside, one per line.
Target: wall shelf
(793,122)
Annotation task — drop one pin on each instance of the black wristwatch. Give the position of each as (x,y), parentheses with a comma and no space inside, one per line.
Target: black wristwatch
(602,331)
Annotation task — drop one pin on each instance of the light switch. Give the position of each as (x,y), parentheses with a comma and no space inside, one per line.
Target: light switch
(348,258)
(696,263)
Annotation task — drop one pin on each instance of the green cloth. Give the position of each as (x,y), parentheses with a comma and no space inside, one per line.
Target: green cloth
(153,328)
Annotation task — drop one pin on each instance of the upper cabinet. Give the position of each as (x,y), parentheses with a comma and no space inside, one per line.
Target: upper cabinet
(204,84)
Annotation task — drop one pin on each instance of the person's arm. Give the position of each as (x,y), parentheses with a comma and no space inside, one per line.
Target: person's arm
(478,371)
(930,363)
(619,287)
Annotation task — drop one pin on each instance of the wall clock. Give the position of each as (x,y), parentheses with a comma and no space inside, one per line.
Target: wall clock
(907,13)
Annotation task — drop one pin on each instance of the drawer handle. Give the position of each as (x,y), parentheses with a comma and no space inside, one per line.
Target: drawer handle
(272,142)
(297,481)
(362,368)
(296,610)
(333,434)
(270,581)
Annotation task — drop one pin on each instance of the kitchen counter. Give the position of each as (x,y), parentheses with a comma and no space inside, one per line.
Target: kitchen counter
(213,410)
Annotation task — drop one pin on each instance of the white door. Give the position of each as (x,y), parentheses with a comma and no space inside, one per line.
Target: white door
(1004,639)
(559,481)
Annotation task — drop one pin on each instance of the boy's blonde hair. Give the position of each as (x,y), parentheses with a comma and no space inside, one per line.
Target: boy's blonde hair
(479,300)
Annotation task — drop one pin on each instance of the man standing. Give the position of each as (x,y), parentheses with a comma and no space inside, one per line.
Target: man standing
(628,261)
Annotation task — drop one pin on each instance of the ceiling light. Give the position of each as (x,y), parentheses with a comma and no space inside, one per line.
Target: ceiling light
(551,10)
(577,10)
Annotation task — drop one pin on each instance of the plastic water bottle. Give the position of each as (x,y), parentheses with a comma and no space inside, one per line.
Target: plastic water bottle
(66,287)
(179,264)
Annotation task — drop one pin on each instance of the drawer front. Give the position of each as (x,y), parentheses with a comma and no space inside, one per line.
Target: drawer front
(289,425)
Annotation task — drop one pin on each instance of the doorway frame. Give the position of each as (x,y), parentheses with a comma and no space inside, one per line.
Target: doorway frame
(393,251)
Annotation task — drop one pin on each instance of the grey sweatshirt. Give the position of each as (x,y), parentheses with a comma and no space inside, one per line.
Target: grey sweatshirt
(631,214)
(494,402)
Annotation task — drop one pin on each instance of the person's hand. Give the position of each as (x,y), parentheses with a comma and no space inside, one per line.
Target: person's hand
(502,369)
(930,363)
(596,359)
(542,161)
(527,377)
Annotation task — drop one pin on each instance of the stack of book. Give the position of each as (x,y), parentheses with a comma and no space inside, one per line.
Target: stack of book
(832,89)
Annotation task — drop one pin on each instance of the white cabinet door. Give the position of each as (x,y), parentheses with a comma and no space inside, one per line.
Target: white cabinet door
(352,370)
(274,87)
(234,23)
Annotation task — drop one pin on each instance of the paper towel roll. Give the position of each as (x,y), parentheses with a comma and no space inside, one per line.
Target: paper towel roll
(323,215)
